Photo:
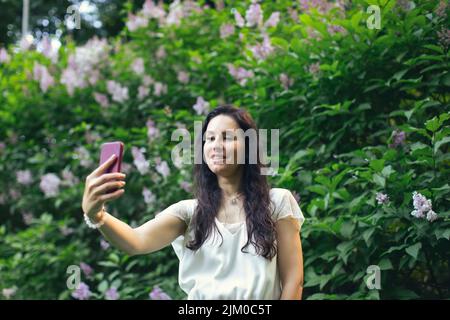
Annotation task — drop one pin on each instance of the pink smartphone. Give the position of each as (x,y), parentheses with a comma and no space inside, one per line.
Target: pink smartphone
(107,150)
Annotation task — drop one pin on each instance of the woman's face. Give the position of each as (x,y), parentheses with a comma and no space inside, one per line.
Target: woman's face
(222,144)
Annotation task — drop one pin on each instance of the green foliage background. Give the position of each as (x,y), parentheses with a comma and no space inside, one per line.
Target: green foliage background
(336,125)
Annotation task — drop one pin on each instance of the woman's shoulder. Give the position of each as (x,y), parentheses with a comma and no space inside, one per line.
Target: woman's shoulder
(278,193)
(284,204)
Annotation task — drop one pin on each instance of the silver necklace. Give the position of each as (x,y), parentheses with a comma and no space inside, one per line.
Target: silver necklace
(233,201)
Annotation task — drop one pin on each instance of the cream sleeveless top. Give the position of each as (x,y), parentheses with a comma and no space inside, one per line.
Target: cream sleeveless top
(221,270)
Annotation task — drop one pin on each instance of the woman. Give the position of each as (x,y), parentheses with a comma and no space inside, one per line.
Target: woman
(259,255)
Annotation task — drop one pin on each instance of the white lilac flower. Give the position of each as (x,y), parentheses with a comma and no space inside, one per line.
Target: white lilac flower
(139,160)
(149,197)
(143,92)
(314,68)
(104,244)
(431,216)
(82,292)
(176,13)
(49,49)
(150,10)
(50,184)
(41,74)
(119,93)
(136,22)
(159,88)
(83,64)
(161,53)
(83,154)
(138,66)
(382,198)
(68,178)
(158,294)
(24,177)
(27,218)
(152,130)
(9,292)
(183,77)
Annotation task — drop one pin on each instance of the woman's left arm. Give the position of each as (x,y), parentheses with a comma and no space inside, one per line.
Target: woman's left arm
(290,259)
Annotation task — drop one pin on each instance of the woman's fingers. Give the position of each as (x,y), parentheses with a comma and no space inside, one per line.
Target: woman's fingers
(111,196)
(106,187)
(102,168)
(106,178)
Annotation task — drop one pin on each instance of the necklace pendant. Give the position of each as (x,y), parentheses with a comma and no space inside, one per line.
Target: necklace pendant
(233,201)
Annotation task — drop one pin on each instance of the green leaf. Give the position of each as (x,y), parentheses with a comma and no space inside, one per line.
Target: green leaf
(377,164)
(103,286)
(347,229)
(413,250)
(385,264)
(439,143)
(379,180)
(432,124)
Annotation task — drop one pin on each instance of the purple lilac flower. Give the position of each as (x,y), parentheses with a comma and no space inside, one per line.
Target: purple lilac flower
(158,294)
(149,197)
(152,130)
(50,184)
(262,50)
(112,294)
(382,198)
(65,230)
(101,99)
(398,139)
(240,74)
(201,106)
(422,207)
(254,15)
(286,82)
(139,160)
(226,30)
(186,186)
(273,20)
(82,292)
(163,168)
(87,269)
(4,56)
(240,22)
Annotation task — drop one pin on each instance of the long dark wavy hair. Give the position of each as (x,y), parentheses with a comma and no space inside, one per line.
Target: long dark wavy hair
(261,229)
